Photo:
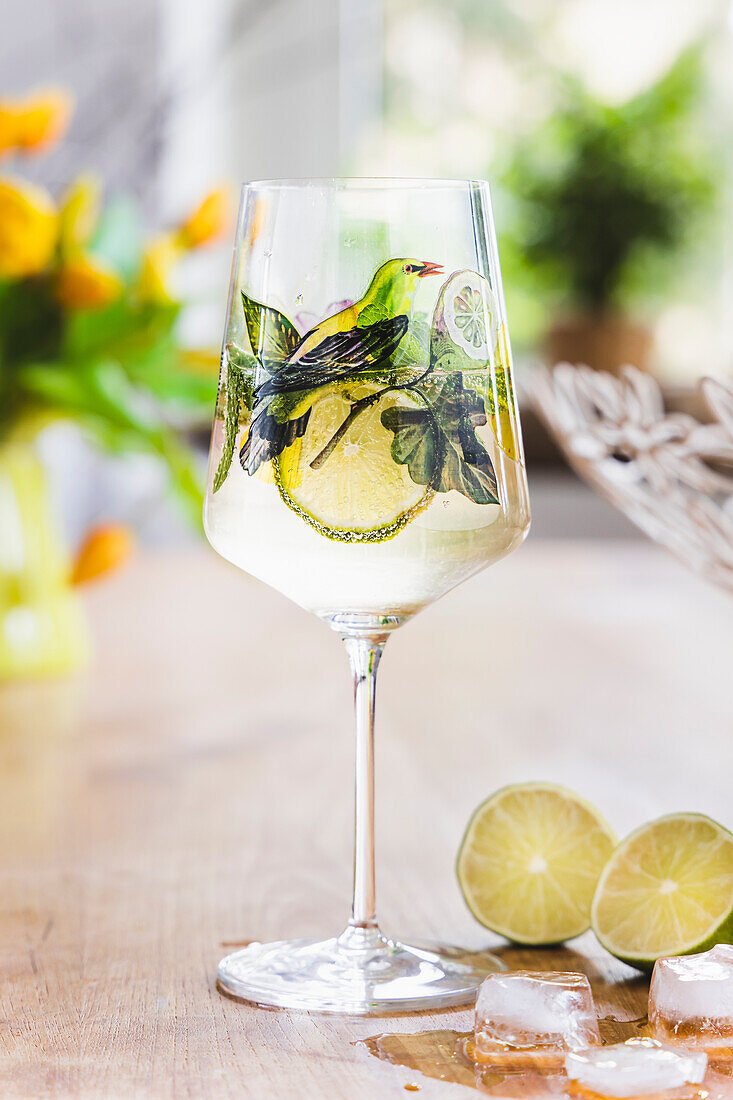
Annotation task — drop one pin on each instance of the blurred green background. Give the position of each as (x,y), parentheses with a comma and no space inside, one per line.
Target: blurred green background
(605,130)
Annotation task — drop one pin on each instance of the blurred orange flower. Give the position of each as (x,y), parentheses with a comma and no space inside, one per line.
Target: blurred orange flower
(258,220)
(79,213)
(32,124)
(105,549)
(207,222)
(28,228)
(86,283)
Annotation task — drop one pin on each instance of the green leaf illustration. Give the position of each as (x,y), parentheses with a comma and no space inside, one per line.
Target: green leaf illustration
(370,314)
(239,396)
(272,336)
(413,348)
(438,443)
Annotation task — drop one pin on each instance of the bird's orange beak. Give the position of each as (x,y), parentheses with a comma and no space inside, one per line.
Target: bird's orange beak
(428,268)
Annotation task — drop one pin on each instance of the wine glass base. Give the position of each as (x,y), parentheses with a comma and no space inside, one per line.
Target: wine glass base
(332,976)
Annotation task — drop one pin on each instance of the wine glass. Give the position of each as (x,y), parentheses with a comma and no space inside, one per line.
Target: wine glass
(366,458)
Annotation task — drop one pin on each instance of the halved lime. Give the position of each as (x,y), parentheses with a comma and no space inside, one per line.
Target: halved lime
(530,861)
(667,890)
(340,477)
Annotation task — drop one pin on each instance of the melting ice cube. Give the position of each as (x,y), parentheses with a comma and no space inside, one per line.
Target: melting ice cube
(525,1010)
(637,1067)
(691,998)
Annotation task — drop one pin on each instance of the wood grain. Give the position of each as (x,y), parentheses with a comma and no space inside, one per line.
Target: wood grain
(193,790)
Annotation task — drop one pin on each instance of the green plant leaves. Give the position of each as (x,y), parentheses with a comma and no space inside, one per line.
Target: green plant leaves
(605,203)
(31,322)
(438,443)
(118,371)
(119,237)
(239,394)
(272,336)
(118,414)
(141,337)
(125,329)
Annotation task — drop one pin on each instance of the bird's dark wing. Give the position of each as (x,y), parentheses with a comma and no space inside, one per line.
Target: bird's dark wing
(268,437)
(338,356)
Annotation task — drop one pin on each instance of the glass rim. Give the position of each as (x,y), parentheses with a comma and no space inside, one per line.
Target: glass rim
(374,183)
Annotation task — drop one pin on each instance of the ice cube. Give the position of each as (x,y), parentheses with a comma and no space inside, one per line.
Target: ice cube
(525,1010)
(691,998)
(638,1067)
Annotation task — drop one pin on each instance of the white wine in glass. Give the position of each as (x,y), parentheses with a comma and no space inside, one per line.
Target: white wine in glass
(366,458)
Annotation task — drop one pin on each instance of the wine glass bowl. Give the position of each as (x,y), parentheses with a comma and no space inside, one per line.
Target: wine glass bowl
(366,458)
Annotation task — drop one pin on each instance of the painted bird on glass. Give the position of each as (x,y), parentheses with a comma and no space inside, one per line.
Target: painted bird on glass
(360,337)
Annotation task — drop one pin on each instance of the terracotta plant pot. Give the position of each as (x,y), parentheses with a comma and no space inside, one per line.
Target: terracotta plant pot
(604,342)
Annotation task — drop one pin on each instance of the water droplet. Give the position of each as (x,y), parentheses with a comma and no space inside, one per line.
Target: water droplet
(268,253)
(349,242)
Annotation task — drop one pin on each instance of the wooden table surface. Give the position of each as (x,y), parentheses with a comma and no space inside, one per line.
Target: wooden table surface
(193,790)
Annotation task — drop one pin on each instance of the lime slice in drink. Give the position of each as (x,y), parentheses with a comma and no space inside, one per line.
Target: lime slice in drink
(530,861)
(340,477)
(667,890)
(467,308)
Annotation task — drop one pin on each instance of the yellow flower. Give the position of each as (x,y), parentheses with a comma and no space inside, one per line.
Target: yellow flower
(159,259)
(28,228)
(86,283)
(207,222)
(105,549)
(201,360)
(79,213)
(34,123)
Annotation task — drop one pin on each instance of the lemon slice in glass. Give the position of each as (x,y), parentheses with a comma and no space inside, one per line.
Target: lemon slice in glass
(667,890)
(530,861)
(340,477)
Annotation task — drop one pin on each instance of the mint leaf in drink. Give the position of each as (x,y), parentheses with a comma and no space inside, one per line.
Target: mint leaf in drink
(438,443)
(272,336)
(239,396)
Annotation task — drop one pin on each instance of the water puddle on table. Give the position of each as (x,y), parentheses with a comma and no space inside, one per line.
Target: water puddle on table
(444,1056)
(438,1054)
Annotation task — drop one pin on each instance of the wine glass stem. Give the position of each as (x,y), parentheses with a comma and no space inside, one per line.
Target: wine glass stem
(364,653)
